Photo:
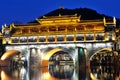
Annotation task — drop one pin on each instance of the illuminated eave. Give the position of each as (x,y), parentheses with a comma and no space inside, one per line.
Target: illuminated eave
(82,22)
(61,24)
(59,19)
(25,25)
(71,23)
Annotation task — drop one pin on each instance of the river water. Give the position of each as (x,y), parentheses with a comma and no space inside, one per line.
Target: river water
(61,72)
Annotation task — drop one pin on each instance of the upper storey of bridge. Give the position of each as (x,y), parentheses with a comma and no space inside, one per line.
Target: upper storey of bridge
(59,25)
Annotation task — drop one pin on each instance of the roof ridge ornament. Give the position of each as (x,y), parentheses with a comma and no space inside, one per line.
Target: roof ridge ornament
(61,7)
(114,20)
(104,20)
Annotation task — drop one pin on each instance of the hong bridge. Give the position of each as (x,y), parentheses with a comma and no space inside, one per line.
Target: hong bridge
(39,43)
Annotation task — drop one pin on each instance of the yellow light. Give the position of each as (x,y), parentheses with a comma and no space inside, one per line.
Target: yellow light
(46,76)
(50,53)
(3,57)
(113,37)
(93,77)
(4,76)
(8,54)
(3,41)
(45,60)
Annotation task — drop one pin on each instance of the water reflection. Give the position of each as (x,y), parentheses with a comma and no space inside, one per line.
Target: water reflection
(105,67)
(58,72)
(13,74)
(62,72)
(4,76)
(105,73)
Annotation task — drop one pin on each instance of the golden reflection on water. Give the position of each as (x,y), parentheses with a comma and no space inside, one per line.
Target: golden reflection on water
(47,75)
(93,77)
(4,76)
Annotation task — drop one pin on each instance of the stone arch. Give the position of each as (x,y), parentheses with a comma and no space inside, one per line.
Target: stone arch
(98,59)
(104,49)
(51,52)
(9,53)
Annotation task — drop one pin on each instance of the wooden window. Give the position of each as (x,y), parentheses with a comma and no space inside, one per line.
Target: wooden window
(51,38)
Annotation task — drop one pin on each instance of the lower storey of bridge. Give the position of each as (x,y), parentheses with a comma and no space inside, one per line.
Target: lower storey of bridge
(61,54)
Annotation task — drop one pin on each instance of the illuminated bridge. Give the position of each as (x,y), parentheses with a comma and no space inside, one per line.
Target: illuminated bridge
(37,43)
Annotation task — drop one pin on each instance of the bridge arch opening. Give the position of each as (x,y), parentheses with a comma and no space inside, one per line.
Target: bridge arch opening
(60,58)
(102,52)
(100,62)
(56,53)
(61,63)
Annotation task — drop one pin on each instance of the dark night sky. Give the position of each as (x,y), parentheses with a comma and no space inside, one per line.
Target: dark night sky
(28,10)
